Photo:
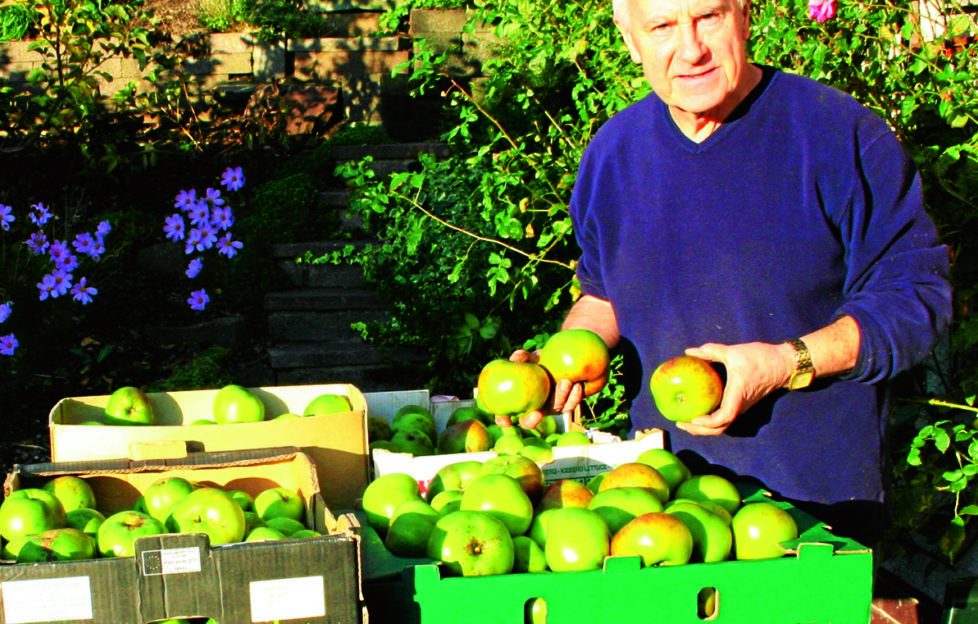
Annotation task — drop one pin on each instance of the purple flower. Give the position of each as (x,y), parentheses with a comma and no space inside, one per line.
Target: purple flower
(821,10)
(38,243)
(198,300)
(82,292)
(195,267)
(68,262)
(200,213)
(47,287)
(5,310)
(62,282)
(103,228)
(208,236)
(174,227)
(233,179)
(214,196)
(193,239)
(98,248)
(7,344)
(6,216)
(40,215)
(222,217)
(186,200)
(57,251)
(228,247)
(83,243)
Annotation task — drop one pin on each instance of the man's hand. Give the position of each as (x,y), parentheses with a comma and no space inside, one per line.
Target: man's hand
(754,370)
(566,396)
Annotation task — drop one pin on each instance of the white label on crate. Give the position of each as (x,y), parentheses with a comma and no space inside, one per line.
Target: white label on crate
(171,561)
(47,600)
(288,599)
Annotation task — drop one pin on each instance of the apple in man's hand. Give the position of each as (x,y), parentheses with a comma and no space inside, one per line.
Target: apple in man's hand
(129,406)
(577,355)
(472,543)
(513,388)
(686,387)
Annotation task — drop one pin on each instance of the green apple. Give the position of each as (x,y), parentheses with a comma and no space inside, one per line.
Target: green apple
(541,453)
(86,520)
(211,511)
(410,527)
(634,474)
(140,505)
(685,387)
(594,483)
(385,494)
(468,436)
(712,536)
(73,492)
(129,406)
(411,408)
(535,611)
(245,500)
(496,431)
(573,438)
(469,412)
(64,544)
(236,404)
(578,539)
(279,502)
(326,404)
(565,493)
(538,526)
(117,535)
(453,476)
(447,501)
(413,441)
(305,534)
(527,473)
(30,511)
(578,355)
(287,526)
(546,427)
(415,418)
(163,493)
(263,534)
(201,422)
(658,538)
(252,521)
(710,487)
(529,556)
(513,388)
(286,416)
(501,496)
(672,469)
(508,445)
(759,529)
(619,506)
(472,543)
(378,429)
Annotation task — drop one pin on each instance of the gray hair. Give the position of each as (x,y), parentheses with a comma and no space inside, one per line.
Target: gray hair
(621,12)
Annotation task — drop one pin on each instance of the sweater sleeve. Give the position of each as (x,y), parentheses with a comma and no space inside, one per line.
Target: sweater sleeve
(896,286)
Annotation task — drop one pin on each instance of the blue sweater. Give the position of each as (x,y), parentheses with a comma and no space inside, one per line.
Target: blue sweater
(801,208)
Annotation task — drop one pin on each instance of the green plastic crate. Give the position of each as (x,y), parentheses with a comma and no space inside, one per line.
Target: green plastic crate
(824,579)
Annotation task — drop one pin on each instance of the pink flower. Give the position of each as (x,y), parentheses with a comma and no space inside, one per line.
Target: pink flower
(821,10)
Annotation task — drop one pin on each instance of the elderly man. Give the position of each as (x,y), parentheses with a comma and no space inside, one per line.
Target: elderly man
(769,223)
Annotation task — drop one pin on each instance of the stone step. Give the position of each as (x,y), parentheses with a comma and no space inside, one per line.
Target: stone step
(307,275)
(323,300)
(326,327)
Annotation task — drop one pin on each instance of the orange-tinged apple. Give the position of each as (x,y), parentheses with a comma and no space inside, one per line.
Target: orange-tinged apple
(672,469)
(468,436)
(565,493)
(657,537)
(577,355)
(634,474)
(619,506)
(685,387)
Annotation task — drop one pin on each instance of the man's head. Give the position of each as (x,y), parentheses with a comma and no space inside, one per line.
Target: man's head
(693,52)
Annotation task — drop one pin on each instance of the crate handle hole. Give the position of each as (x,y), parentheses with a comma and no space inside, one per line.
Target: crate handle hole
(535,611)
(707,603)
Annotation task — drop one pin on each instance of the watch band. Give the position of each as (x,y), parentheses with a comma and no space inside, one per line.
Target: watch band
(804,370)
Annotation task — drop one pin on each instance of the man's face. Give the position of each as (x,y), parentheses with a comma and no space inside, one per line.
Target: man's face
(693,52)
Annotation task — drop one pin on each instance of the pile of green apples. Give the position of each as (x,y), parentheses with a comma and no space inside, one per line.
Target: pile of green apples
(469,429)
(60,520)
(499,516)
(129,406)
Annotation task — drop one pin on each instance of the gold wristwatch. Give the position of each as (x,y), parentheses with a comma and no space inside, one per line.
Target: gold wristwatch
(804,371)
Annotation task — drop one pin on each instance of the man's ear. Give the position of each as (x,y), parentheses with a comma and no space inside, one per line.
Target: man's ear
(746,10)
(629,43)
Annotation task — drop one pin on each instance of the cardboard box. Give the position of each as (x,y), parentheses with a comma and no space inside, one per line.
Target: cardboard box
(571,462)
(823,579)
(337,443)
(314,580)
